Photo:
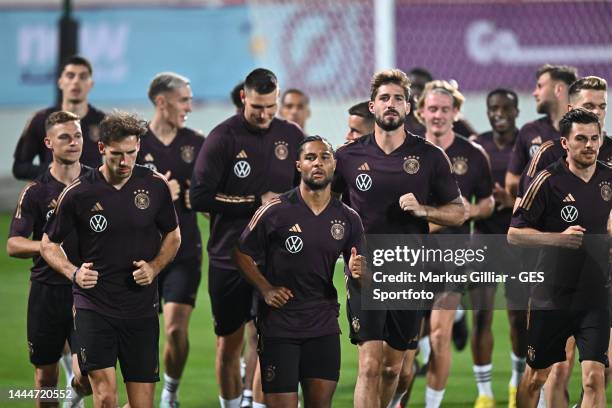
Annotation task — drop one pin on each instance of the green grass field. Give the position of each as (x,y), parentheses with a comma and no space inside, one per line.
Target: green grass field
(198,386)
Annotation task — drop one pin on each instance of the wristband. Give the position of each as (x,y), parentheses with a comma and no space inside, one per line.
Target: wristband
(74,274)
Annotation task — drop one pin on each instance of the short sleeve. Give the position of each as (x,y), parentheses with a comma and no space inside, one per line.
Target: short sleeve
(22,224)
(484,183)
(63,221)
(339,183)
(254,238)
(356,237)
(532,205)
(519,158)
(166,219)
(445,187)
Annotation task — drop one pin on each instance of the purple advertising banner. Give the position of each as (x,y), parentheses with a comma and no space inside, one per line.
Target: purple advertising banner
(490,44)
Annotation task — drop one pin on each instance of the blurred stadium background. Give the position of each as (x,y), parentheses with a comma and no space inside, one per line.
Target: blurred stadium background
(328,48)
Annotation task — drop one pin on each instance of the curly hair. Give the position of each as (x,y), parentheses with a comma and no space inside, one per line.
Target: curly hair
(120,125)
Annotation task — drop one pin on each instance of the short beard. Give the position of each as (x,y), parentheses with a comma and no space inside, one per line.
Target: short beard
(389,127)
(544,108)
(317,186)
(583,164)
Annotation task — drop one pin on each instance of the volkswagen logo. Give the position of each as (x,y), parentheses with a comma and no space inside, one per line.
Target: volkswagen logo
(569,213)
(533,149)
(242,169)
(98,223)
(150,166)
(294,244)
(49,214)
(364,182)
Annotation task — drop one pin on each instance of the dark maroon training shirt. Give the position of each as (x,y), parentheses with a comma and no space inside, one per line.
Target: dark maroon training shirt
(555,200)
(499,158)
(236,165)
(528,141)
(36,205)
(115,228)
(32,144)
(300,250)
(552,151)
(473,173)
(178,158)
(375,181)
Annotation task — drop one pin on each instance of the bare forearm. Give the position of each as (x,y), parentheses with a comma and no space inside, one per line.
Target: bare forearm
(511,183)
(482,209)
(167,251)
(249,270)
(55,256)
(448,215)
(21,247)
(530,237)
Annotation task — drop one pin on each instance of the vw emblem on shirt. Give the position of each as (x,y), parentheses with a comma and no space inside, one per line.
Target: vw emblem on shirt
(150,166)
(569,213)
(294,244)
(363,182)
(98,223)
(49,214)
(242,169)
(533,149)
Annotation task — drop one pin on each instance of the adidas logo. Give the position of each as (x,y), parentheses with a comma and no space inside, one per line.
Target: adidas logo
(97,207)
(295,228)
(149,157)
(569,198)
(364,167)
(241,155)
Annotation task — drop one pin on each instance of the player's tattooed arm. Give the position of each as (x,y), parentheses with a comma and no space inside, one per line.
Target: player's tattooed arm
(21,247)
(450,214)
(145,272)
(275,296)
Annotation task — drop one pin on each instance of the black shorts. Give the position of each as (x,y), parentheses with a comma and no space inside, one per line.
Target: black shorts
(286,362)
(548,331)
(49,321)
(517,292)
(231,299)
(179,281)
(134,342)
(400,329)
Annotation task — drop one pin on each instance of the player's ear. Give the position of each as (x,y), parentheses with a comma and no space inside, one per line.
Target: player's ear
(101,147)
(48,142)
(298,166)
(564,142)
(242,96)
(160,101)
(569,107)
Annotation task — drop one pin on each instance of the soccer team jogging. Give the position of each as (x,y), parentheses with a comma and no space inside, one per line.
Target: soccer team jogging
(109,217)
